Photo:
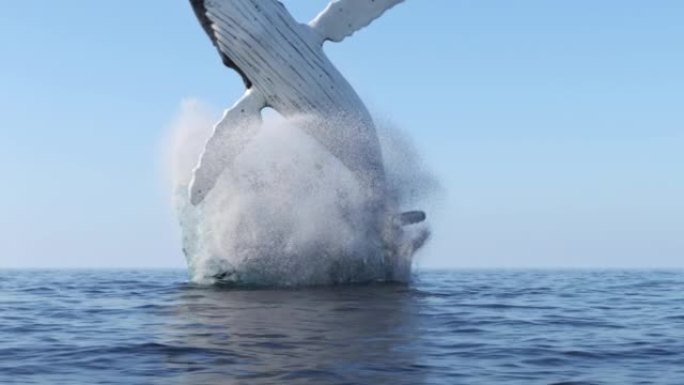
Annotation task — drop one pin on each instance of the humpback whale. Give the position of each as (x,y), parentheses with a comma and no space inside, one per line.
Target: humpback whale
(283,66)
(246,233)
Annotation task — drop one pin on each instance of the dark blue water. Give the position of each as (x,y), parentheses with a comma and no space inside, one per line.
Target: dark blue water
(464,327)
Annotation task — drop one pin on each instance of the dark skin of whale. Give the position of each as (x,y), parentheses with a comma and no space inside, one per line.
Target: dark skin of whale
(201,12)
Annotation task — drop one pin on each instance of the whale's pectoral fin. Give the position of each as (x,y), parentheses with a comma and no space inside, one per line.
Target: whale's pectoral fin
(410,218)
(344,17)
(238,125)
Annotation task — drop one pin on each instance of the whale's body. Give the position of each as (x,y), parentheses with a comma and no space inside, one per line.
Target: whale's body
(284,67)
(281,58)
(360,232)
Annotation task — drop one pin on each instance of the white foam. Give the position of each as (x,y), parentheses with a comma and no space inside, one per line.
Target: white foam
(288,213)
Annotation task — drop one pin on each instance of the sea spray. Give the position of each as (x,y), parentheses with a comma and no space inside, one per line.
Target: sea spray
(288,213)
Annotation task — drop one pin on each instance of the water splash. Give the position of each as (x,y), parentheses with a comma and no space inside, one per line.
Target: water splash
(290,214)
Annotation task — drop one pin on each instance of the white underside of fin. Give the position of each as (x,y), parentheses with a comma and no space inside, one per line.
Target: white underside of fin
(344,17)
(239,124)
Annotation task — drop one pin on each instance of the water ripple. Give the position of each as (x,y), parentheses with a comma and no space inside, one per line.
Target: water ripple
(462,327)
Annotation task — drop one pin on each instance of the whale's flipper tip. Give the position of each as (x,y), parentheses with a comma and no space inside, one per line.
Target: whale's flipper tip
(344,17)
(410,217)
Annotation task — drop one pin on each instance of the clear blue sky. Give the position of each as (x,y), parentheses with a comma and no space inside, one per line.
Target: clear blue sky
(556,128)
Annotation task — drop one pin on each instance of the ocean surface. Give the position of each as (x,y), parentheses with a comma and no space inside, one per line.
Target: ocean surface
(449,327)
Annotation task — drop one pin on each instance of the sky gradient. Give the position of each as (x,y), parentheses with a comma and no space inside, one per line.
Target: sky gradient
(555,128)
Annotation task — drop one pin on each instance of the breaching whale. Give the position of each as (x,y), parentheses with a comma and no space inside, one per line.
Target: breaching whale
(350,231)
(283,66)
